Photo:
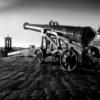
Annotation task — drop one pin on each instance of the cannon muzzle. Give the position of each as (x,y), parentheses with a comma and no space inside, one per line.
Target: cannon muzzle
(34,27)
(25,25)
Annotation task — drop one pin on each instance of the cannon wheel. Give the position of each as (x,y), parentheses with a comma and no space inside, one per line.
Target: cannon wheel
(68,60)
(39,56)
(93,51)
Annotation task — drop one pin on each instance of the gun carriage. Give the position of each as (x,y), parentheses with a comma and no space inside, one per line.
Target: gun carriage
(66,45)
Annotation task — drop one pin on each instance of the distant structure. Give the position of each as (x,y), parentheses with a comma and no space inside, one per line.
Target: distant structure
(31,51)
(8,42)
(8,46)
(32,46)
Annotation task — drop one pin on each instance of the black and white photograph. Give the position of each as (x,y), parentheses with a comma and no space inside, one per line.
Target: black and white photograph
(49,50)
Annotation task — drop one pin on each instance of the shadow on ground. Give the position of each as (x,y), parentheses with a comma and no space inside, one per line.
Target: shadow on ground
(22,79)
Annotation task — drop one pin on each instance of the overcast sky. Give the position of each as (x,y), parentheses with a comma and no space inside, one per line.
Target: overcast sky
(14,13)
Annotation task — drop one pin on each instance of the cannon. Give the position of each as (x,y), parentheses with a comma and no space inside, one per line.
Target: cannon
(66,45)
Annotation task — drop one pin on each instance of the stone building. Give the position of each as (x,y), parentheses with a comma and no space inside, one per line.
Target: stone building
(8,42)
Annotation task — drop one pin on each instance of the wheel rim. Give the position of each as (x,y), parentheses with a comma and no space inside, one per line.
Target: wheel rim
(69,60)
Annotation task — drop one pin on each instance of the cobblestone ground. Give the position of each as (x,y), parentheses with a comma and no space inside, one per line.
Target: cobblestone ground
(22,79)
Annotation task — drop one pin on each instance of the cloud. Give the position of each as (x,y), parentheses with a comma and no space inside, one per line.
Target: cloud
(89,6)
(9,4)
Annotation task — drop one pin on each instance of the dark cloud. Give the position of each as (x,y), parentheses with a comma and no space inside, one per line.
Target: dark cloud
(93,4)
(85,5)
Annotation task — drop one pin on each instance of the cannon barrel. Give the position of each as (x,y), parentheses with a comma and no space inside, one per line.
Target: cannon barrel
(82,35)
(33,27)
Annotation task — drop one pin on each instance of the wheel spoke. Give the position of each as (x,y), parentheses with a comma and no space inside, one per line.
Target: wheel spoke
(69,68)
(68,53)
(93,53)
(66,64)
(64,60)
(65,56)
